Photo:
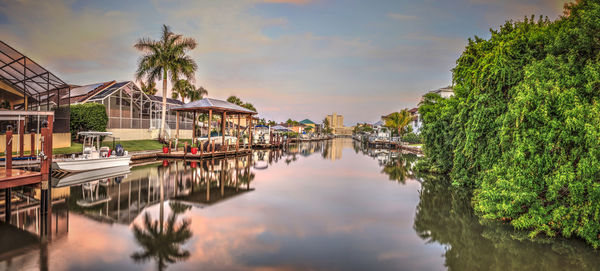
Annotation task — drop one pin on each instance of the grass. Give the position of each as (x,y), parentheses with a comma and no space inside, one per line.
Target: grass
(136,145)
(415,145)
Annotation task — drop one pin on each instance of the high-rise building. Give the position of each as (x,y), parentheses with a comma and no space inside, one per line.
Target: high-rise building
(336,122)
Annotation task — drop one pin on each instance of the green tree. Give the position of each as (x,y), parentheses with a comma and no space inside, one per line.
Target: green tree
(195,94)
(235,100)
(181,88)
(87,117)
(163,59)
(149,88)
(523,125)
(399,121)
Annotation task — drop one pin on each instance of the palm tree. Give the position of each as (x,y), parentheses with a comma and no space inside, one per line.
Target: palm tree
(249,106)
(160,243)
(235,100)
(163,59)
(150,88)
(195,94)
(181,88)
(163,244)
(399,121)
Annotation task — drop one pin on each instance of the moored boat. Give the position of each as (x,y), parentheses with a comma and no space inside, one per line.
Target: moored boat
(93,156)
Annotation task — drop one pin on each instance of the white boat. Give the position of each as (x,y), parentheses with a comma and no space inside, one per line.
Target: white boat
(92,175)
(93,157)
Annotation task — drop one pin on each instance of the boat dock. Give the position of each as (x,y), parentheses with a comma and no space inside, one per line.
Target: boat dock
(11,178)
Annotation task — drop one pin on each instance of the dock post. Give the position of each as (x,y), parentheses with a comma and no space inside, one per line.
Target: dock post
(45,170)
(177,129)
(209,126)
(8,165)
(21,138)
(237,134)
(8,152)
(223,119)
(32,134)
(250,127)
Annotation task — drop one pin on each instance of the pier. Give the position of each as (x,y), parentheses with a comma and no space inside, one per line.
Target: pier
(11,178)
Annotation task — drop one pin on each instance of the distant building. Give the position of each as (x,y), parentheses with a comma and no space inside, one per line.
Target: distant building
(336,122)
(416,122)
(308,122)
(296,128)
(446,92)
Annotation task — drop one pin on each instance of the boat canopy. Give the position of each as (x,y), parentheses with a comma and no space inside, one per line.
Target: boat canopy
(93,133)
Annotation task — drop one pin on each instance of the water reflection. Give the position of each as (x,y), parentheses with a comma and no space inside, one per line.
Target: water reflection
(161,242)
(315,205)
(444,215)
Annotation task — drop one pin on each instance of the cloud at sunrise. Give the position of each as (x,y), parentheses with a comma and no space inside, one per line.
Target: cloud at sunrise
(291,58)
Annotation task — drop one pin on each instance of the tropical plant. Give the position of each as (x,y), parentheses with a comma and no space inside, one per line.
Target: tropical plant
(399,121)
(160,243)
(249,106)
(195,94)
(165,59)
(149,88)
(235,100)
(181,88)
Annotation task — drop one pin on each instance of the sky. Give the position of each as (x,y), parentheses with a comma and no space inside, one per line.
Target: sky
(291,58)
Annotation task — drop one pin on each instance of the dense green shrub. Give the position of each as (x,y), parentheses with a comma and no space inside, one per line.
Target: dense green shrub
(524,126)
(88,117)
(411,138)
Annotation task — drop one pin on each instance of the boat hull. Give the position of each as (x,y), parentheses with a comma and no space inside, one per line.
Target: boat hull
(80,165)
(92,175)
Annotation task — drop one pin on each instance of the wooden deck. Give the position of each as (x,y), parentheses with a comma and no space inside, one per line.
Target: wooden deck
(10,178)
(216,154)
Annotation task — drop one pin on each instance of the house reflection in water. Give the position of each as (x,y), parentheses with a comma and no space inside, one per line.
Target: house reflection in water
(121,197)
(199,183)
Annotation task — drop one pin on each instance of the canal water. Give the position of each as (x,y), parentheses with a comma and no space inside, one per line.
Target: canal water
(318,206)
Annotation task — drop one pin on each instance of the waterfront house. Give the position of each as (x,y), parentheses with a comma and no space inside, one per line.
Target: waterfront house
(416,122)
(446,92)
(307,122)
(132,114)
(26,85)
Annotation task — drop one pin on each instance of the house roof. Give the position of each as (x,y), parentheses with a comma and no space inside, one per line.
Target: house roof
(169,100)
(413,110)
(307,121)
(80,93)
(24,74)
(215,105)
(446,89)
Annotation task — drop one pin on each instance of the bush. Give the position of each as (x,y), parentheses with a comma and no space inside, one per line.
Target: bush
(411,138)
(88,117)
(523,126)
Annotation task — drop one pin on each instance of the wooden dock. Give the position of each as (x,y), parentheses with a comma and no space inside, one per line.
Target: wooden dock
(11,178)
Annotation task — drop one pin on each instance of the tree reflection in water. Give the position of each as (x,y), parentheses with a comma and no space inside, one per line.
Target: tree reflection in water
(444,215)
(160,243)
(398,167)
